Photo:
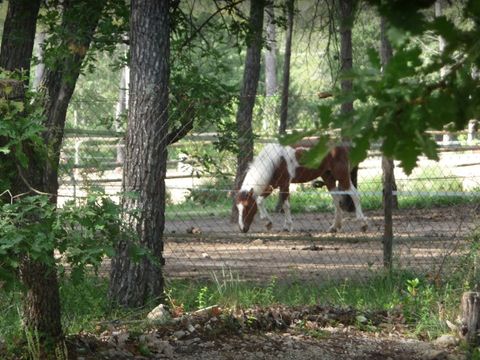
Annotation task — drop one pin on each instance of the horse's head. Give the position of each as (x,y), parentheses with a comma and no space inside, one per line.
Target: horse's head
(247,208)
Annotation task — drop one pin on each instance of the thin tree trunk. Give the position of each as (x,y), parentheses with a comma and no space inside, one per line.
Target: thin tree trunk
(133,283)
(269,113)
(270,52)
(346,63)
(248,93)
(59,80)
(388,165)
(389,200)
(346,58)
(286,68)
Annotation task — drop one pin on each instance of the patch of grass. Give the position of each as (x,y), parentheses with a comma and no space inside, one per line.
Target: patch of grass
(425,307)
(430,187)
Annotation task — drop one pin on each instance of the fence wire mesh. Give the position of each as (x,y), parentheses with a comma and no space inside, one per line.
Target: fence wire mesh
(437,214)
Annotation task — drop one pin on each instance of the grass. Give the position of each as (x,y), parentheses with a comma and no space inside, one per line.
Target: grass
(428,188)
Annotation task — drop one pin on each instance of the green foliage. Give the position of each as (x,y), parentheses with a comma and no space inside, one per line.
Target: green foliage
(21,131)
(398,106)
(82,235)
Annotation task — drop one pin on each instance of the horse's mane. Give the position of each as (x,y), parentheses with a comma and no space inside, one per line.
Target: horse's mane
(261,169)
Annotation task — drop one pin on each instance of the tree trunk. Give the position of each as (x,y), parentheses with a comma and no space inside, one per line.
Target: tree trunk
(286,68)
(41,304)
(388,165)
(269,112)
(248,93)
(346,58)
(19,35)
(132,283)
(79,21)
(346,63)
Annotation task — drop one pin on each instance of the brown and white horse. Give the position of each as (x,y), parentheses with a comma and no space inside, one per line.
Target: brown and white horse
(277,166)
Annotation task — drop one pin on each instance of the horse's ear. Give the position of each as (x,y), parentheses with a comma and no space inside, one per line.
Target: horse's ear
(250,193)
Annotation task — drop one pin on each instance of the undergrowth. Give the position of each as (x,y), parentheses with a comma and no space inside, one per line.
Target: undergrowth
(424,305)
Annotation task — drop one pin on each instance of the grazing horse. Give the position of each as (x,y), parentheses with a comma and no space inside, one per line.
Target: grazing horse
(277,166)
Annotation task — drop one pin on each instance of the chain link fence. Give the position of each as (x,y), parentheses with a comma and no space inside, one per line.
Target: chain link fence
(437,215)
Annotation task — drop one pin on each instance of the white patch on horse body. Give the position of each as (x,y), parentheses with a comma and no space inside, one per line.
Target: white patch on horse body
(240,216)
(261,169)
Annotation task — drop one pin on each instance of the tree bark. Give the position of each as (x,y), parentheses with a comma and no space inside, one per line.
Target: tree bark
(346,62)
(470,318)
(19,35)
(79,21)
(388,175)
(286,68)
(346,58)
(269,111)
(270,52)
(388,166)
(41,304)
(132,283)
(248,93)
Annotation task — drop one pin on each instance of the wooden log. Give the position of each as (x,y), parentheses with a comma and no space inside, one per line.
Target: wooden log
(470,317)
(12,89)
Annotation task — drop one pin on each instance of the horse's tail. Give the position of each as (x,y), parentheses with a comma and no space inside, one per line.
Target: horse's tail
(346,201)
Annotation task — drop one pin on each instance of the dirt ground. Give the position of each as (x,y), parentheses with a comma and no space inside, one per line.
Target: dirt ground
(424,239)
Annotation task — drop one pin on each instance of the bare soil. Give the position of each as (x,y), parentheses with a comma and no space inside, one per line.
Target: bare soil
(424,239)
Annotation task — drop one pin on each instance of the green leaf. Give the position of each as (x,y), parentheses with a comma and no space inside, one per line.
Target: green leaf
(295,137)
(313,157)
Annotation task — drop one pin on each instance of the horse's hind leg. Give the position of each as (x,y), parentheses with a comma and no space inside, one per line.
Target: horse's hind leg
(330,182)
(358,208)
(284,199)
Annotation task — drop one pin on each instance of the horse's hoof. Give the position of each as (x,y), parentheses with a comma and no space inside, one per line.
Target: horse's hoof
(332,230)
(364,228)
(287,229)
(269,225)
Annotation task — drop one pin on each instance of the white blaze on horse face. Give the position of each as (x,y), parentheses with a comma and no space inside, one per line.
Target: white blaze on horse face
(240,216)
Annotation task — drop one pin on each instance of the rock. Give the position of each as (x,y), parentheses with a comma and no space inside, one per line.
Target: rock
(118,338)
(435,355)
(180,334)
(168,350)
(361,319)
(191,328)
(160,314)
(257,242)
(446,341)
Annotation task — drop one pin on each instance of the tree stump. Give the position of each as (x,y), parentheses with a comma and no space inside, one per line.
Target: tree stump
(470,317)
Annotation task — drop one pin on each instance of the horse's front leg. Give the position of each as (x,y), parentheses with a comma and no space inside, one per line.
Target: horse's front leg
(337,223)
(284,198)
(263,212)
